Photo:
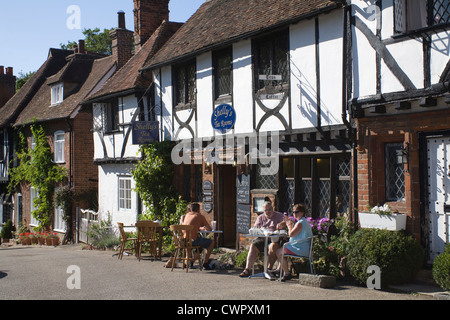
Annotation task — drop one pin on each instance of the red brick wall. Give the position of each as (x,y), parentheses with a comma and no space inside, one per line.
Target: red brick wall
(79,155)
(373,134)
(148,16)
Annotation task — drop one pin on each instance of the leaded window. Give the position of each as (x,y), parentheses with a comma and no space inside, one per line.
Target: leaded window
(321,183)
(222,73)
(395,172)
(185,83)
(410,15)
(272,61)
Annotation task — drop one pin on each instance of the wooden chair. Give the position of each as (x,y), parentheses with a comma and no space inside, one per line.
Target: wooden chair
(182,237)
(124,240)
(309,257)
(146,233)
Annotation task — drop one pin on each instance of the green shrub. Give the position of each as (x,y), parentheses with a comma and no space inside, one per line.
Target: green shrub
(7,230)
(101,235)
(441,269)
(398,256)
(241,259)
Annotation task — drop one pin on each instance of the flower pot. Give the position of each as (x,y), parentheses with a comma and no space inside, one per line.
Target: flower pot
(34,240)
(393,222)
(55,241)
(49,241)
(26,241)
(41,241)
(4,240)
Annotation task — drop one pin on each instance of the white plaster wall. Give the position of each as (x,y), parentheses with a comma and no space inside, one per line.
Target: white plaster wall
(364,56)
(330,61)
(108,197)
(165,93)
(409,56)
(440,54)
(242,86)
(203,126)
(303,75)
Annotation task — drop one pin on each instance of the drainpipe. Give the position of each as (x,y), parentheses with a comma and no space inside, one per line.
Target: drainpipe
(70,152)
(346,66)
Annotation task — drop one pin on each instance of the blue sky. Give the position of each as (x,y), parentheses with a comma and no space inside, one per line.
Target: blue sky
(29,28)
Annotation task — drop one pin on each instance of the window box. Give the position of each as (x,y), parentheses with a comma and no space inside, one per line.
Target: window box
(392,222)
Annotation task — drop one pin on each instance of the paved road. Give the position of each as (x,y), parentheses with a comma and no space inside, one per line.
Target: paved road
(42,273)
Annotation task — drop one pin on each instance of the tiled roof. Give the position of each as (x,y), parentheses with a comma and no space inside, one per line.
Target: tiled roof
(84,71)
(128,76)
(55,61)
(218,22)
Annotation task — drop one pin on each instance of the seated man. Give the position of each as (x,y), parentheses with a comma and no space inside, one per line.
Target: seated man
(272,221)
(195,218)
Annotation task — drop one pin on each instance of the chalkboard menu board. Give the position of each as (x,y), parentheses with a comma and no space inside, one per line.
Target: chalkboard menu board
(243,218)
(207,196)
(243,188)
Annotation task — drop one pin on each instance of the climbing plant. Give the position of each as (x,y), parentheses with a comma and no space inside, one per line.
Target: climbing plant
(36,167)
(153,176)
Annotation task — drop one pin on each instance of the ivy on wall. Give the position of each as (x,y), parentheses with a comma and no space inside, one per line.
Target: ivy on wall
(36,168)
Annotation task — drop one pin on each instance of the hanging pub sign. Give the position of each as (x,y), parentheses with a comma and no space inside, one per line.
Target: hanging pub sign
(223,118)
(145,132)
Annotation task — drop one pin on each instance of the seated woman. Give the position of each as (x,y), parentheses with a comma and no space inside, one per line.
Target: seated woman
(297,231)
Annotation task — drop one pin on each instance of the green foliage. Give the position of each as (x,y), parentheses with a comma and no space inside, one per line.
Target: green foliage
(153,176)
(7,230)
(101,235)
(329,252)
(441,269)
(241,259)
(398,256)
(36,167)
(95,41)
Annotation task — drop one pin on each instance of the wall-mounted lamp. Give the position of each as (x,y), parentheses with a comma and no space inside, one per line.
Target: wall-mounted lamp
(403,156)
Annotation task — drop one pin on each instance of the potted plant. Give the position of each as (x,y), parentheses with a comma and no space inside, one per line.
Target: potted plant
(41,236)
(24,238)
(52,239)
(7,231)
(33,238)
(382,217)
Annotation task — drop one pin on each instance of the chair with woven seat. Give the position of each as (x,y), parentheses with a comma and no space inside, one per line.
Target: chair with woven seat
(182,237)
(309,257)
(146,234)
(124,239)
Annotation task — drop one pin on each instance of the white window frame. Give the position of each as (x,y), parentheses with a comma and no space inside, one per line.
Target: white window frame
(125,193)
(59,147)
(33,195)
(57,93)
(59,223)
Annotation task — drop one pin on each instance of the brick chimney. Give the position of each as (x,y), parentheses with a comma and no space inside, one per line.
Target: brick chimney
(148,16)
(122,41)
(7,85)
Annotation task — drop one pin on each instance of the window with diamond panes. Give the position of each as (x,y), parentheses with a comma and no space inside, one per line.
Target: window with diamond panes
(343,192)
(266,176)
(222,73)
(271,53)
(185,83)
(395,173)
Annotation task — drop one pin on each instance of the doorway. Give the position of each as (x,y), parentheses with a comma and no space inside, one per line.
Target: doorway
(226,215)
(438,170)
